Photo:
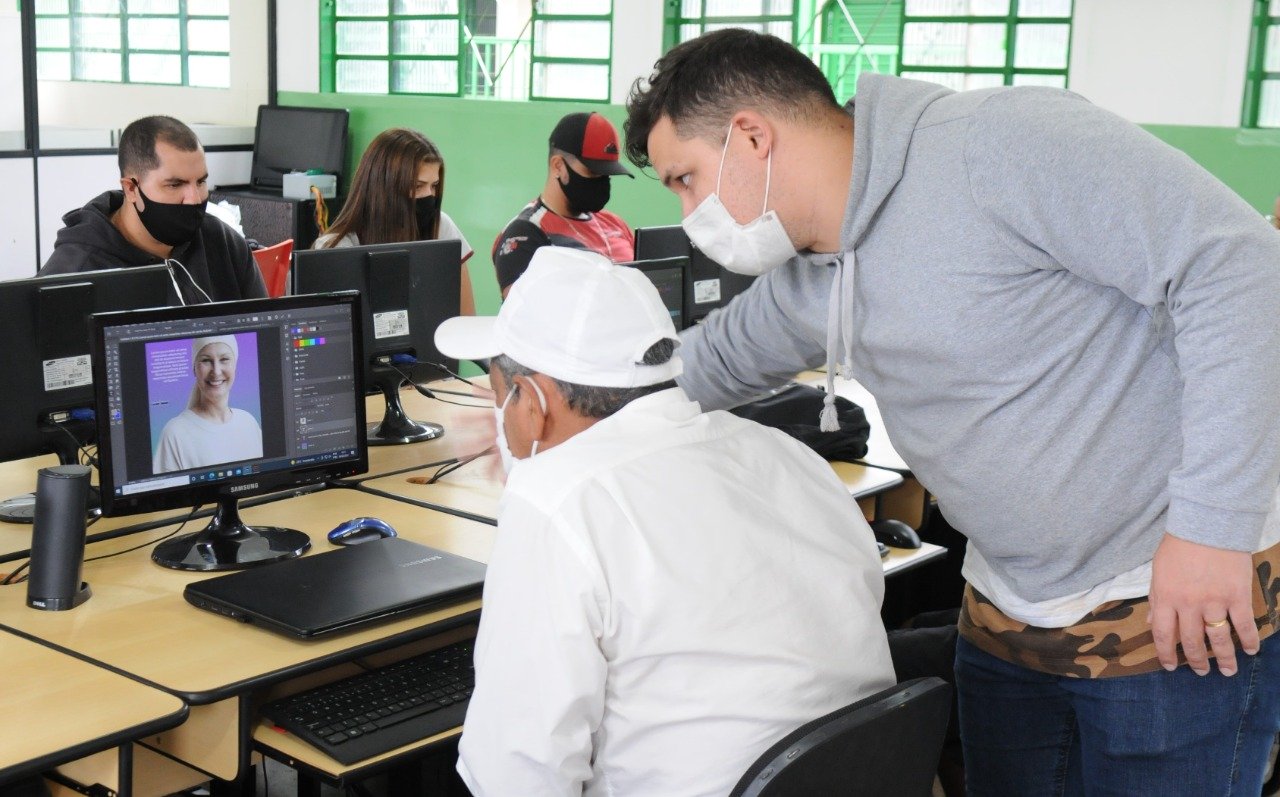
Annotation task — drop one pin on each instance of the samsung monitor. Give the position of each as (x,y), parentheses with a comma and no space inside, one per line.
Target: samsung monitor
(710,285)
(47,400)
(670,276)
(297,139)
(409,289)
(210,403)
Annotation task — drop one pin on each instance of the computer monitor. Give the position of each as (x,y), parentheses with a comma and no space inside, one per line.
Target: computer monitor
(46,405)
(670,276)
(215,402)
(210,403)
(297,139)
(409,289)
(710,285)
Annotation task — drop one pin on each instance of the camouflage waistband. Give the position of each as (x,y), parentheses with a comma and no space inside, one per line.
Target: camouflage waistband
(1112,640)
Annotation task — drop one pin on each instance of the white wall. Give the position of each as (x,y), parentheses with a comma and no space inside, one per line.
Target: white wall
(112,105)
(637,43)
(68,182)
(297,45)
(17,209)
(1179,62)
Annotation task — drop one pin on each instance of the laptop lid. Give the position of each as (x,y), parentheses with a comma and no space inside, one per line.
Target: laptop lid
(342,589)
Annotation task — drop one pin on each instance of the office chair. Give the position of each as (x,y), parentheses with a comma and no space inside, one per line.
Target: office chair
(887,743)
(273,262)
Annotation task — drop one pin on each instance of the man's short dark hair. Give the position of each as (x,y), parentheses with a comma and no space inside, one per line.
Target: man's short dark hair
(598,402)
(137,151)
(700,84)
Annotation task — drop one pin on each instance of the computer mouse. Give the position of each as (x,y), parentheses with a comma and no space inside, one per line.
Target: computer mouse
(360,529)
(895,534)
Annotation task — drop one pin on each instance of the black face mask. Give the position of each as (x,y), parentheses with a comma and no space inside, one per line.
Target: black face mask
(585,194)
(427,210)
(170,224)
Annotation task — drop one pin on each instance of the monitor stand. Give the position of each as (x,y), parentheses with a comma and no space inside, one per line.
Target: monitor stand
(396,428)
(65,440)
(228,544)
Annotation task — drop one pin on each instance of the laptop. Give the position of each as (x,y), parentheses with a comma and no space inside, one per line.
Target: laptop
(343,589)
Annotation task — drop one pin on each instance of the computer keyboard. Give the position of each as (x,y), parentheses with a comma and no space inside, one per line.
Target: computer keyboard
(379,710)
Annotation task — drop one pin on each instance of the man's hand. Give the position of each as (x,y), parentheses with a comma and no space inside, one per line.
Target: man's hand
(1196,591)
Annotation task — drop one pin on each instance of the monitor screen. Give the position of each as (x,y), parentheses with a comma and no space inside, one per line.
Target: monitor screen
(409,289)
(47,400)
(229,399)
(710,285)
(669,275)
(298,139)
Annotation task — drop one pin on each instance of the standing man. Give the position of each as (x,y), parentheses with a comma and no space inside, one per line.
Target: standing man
(1071,331)
(159,216)
(570,210)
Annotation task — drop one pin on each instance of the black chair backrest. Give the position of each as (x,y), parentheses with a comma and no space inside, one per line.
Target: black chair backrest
(888,743)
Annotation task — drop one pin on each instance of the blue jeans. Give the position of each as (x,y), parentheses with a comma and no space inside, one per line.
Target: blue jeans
(1029,734)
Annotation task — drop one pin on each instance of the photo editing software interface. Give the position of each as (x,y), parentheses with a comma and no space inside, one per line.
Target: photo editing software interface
(206,400)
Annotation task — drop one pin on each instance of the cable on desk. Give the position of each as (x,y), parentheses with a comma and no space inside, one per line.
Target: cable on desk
(431,394)
(449,467)
(87,457)
(9,578)
(184,522)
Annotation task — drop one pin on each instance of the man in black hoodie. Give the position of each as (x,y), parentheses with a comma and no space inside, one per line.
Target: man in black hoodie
(159,217)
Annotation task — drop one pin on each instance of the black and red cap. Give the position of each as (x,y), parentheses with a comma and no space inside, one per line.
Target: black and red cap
(592,139)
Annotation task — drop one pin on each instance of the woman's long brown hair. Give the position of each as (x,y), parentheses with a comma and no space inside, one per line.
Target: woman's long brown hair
(379,207)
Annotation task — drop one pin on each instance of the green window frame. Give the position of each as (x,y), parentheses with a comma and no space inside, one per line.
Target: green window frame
(554,23)
(688,19)
(974,50)
(380,47)
(115,41)
(1261,107)
(848,37)
(1027,41)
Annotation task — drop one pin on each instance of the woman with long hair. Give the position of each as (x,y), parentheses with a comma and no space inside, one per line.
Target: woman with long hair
(396,197)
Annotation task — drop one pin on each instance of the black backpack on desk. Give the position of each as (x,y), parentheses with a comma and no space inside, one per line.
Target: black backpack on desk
(795,410)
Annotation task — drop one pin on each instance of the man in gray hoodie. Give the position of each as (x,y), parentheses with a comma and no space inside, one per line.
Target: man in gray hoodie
(1071,331)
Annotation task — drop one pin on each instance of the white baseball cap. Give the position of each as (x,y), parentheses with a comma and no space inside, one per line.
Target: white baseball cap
(573,316)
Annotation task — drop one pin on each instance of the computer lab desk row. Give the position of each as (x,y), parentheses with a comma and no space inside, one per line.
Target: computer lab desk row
(217,670)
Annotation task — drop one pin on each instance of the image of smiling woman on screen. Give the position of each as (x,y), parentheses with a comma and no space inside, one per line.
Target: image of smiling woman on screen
(209,431)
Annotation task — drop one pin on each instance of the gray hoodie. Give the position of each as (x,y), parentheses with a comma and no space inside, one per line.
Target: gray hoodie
(1070,329)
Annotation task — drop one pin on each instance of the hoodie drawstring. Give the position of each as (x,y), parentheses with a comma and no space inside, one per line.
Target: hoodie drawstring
(839,337)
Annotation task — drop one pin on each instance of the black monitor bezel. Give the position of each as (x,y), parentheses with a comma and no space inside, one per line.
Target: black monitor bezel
(23,437)
(374,349)
(234,487)
(661,264)
(673,241)
(262,177)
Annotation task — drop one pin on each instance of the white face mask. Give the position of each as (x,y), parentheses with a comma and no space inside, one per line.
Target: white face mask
(500,416)
(753,248)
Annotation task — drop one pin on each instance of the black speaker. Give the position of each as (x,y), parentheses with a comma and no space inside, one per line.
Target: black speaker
(57,542)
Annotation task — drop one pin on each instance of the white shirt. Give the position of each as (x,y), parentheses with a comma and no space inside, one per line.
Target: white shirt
(448,232)
(189,441)
(669,594)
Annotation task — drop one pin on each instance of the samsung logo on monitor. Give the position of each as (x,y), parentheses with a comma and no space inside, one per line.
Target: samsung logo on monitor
(243,488)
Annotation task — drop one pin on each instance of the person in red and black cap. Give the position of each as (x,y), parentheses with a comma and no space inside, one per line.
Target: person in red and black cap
(570,211)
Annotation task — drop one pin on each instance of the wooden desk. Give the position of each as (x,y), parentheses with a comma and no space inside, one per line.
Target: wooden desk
(467,430)
(137,621)
(58,708)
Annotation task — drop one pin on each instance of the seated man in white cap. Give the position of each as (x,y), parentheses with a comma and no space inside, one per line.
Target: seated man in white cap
(671,591)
